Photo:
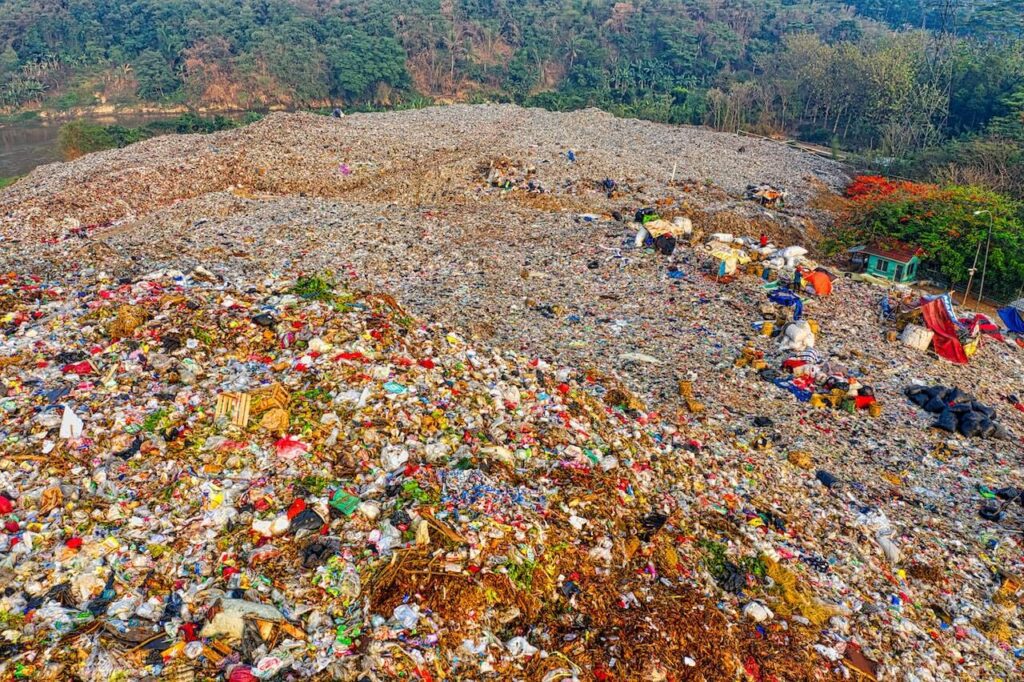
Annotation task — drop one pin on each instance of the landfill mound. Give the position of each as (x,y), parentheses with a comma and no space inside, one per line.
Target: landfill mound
(347,399)
(435,155)
(294,480)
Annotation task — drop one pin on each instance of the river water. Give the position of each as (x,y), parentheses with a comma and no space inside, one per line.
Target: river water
(27,144)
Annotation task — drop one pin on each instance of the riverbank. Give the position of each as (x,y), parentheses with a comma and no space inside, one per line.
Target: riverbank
(32,139)
(81,137)
(102,112)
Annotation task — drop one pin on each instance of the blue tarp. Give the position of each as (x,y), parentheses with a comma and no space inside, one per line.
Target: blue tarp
(787,298)
(801,394)
(1012,319)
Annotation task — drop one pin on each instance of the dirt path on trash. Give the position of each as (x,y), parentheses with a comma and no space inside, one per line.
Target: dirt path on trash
(412,158)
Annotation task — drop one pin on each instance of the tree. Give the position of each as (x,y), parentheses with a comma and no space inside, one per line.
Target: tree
(949,223)
(8,61)
(154,75)
(81,137)
(357,63)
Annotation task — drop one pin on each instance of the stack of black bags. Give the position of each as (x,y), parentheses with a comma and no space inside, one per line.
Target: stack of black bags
(958,412)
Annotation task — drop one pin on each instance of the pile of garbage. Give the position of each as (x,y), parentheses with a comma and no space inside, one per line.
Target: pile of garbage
(410,158)
(958,411)
(766,195)
(287,478)
(732,251)
(504,173)
(545,463)
(655,232)
(809,374)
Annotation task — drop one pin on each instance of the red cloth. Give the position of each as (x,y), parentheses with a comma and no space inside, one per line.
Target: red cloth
(946,343)
(981,323)
(862,401)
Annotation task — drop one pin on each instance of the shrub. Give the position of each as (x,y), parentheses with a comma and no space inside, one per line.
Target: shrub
(949,223)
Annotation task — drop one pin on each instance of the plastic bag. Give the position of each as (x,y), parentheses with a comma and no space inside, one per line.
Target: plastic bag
(936,405)
(970,424)
(946,421)
(406,616)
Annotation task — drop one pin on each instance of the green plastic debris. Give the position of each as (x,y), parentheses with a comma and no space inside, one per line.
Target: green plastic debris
(344,502)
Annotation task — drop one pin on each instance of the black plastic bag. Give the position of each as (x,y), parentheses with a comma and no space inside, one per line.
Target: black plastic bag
(918,395)
(827,479)
(319,551)
(947,421)
(651,524)
(936,405)
(307,519)
(970,424)
(665,244)
(731,578)
(958,396)
(989,412)
(643,213)
(991,511)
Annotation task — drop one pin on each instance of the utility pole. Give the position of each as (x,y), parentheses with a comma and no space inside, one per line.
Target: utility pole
(974,268)
(988,245)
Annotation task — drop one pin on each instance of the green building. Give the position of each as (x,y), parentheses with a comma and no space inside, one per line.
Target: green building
(898,263)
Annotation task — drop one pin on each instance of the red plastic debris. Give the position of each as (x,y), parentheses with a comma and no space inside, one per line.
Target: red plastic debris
(83,367)
(296,508)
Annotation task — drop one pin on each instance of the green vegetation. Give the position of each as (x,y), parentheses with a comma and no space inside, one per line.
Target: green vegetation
(949,223)
(521,574)
(908,82)
(7,182)
(83,137)
(19,117)
(315,287)
(154,420)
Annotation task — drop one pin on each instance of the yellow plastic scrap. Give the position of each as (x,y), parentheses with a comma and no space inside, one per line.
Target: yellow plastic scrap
(686,392)
(800,459)
(996,628)
(892,478)
(797,596)
(275,419)
(748,356)
(1007,594)
(129,318)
